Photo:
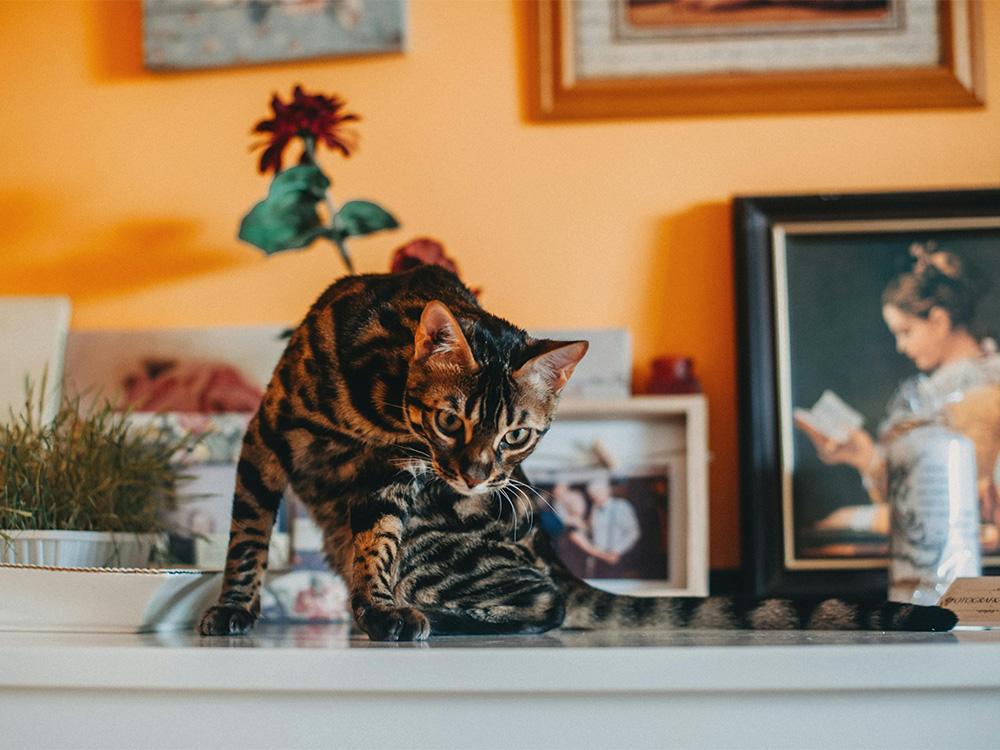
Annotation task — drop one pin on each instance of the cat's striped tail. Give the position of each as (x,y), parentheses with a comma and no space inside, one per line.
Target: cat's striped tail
(593,609)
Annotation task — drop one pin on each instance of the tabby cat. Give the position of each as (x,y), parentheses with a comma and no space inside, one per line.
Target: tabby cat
(400,413)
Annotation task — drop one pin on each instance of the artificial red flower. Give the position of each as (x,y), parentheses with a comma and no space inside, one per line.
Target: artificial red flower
(424,252)
(421,252)
(308,116)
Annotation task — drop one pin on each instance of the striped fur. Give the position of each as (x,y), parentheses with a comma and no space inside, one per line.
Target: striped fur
(400,413)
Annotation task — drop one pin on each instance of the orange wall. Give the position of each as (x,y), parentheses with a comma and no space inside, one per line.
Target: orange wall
(123,188)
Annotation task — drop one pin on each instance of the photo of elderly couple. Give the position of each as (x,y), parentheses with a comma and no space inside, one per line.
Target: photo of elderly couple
(610,527)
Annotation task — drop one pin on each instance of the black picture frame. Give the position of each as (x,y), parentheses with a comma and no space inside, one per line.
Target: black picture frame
(757,222)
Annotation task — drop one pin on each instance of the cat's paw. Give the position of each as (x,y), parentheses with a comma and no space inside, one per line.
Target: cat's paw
(398,624)
(223,619)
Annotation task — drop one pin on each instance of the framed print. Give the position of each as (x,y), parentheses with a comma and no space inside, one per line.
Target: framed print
(199,34)
(624,484)
(838,298)
(206,383)
(633,58)
(203,383)
(33,341)
(606,373)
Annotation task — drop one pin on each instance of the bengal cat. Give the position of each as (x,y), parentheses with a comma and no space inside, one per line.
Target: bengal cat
(400,413)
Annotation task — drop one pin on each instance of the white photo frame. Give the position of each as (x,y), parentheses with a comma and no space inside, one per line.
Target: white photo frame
(640,436)
(32,349)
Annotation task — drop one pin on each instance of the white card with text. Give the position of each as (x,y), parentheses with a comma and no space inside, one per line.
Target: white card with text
(976,601)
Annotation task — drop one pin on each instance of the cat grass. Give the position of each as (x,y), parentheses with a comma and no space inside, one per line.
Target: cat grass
(84,470)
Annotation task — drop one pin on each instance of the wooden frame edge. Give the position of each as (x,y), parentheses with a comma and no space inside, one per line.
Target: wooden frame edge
(549,98)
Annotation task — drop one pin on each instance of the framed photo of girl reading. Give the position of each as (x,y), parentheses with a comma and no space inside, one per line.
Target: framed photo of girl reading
(860,315)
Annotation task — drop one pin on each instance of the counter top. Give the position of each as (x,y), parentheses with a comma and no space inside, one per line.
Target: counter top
(321,687)
(330,658)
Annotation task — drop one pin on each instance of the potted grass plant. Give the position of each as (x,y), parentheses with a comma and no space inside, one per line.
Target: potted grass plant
(85,488)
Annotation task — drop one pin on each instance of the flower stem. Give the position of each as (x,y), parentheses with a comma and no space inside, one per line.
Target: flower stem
(343,254)
(310,148)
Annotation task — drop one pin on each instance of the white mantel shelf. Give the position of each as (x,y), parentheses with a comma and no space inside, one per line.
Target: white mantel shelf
(315,686)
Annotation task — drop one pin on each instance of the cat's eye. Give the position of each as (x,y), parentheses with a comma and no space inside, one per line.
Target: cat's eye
(448,422)
(517,438)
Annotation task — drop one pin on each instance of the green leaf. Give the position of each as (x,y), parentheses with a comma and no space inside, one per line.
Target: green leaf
(363,217)
(287,218)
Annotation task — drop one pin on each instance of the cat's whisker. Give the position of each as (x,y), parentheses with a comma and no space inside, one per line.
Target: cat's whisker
(402,461)
(517,499)
(402,465)
(416,467)
(498,496)
(513,511)
(531,513)
(517,513)
(504,497)
(413,449)
(539,495)
(415,452)
(531,510)
(413,479)
(402,470)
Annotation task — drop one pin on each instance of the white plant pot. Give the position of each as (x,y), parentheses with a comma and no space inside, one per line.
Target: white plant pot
(77,549)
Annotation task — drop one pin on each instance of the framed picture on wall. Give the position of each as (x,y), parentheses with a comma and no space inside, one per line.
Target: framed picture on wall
(628,58)
(198,34)
(624,484)
(859,316)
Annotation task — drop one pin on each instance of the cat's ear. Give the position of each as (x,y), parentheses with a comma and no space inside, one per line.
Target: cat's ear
(553,366)
(439,335)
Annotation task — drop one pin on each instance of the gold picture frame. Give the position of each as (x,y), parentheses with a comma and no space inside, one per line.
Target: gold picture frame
(559,89)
